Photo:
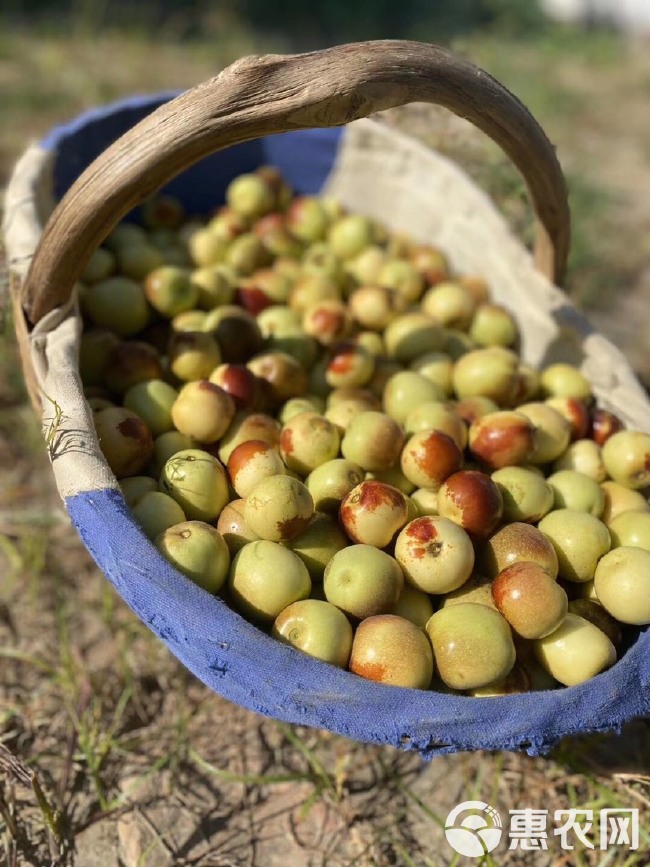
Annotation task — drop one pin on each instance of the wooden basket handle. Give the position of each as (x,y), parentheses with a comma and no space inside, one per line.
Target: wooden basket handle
(257,96)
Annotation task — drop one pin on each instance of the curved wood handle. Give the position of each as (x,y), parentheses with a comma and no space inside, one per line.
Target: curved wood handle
(257,96)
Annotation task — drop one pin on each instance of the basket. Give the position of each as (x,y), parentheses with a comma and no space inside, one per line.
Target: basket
(307,114)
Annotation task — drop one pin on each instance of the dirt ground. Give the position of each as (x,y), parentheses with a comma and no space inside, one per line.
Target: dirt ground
(112,754)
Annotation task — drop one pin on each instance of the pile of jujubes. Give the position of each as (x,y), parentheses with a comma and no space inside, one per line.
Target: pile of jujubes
(318,420)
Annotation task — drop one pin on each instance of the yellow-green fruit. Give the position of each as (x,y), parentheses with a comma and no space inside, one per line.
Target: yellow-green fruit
(155,512)
(135,487)
(435,415)
(233,527)
(472,645)
(362,581)
(406,391)
(125,234)
(411,335)
(414,605)
(631,529)
(164,446)
(319,258)
(216,285)
(317,628)
(373,440)
(265,577)
(375,307)
(307,441)
(198,483)
(227,224)
(97,402)
(118,304)
(318,543)
(189,320)
(576,651)
(450,304)
(137,260)
(552,431)
(170,290)
(392,650)
(622,583)
(438,367)
(245,254)
(577,491)
(364,267)
(295,405)
(435,554)
(250,196)
(349,235)
(246,426)
(595,613)
(526,495)
(342,412)
(564,380)
(626,456)
(310,289)
(152,400)
(493,325)
(251,462)
(395,477)
(403,277)
(331,482)
(193,355)
(278,508)
(206,247)
(477,589)
(100,266)
(618,499)
(307,219)
(203,411)
(198,551)
(579,540)
(490,373)
(373,512)
(426,501)
(278,320)
(583,456)
(349,366)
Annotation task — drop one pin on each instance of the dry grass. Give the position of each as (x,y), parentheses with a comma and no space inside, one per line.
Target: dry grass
(110,752)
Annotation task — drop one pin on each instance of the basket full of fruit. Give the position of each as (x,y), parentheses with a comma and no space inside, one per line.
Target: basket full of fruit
(328,427)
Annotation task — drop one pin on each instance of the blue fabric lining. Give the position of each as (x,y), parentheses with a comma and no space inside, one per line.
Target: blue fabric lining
(246,666)
(305,157)
(236,659)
